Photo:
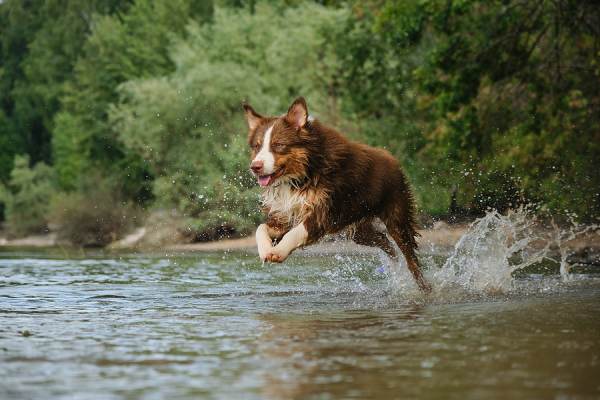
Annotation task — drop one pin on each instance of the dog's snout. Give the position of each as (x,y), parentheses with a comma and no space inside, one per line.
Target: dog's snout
(256,166)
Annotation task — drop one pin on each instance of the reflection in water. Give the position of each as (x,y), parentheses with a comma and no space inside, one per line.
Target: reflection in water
(530,348)
(226,326)
(326,355)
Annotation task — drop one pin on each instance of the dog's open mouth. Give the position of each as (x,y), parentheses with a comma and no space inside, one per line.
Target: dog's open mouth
(265,180)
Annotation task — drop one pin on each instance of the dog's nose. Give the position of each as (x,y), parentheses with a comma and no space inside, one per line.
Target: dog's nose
(256,166)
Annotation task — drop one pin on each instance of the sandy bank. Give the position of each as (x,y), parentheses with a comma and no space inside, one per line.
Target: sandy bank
(436,240)
(149,238)
(48,240)
(440,239)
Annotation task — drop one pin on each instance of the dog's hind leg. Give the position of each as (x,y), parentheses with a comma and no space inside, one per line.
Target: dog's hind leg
(404,234)
(366,234)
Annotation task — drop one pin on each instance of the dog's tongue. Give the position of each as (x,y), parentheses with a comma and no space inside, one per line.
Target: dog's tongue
(264,180)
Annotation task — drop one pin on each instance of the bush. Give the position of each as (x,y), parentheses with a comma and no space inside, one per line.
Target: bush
(26,198)
(215,225)
(225,210)
(188,126)
(93,217)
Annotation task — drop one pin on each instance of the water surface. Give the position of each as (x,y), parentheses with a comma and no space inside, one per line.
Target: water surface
(225,326)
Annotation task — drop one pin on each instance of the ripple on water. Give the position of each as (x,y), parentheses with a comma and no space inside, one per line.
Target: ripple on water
(324,327)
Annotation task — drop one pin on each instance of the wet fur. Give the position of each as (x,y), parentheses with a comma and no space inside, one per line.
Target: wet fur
(330,183)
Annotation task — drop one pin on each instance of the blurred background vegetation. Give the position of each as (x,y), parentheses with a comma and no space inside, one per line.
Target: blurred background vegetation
(111,110)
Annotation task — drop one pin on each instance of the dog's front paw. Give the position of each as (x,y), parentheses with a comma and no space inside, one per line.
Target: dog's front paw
(276,255)
(264,252)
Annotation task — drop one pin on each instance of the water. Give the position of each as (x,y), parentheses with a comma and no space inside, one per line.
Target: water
(223,326)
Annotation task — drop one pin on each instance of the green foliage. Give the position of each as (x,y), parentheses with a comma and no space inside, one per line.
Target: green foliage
(121,47)
(10,144)
(188,125)
(41,41)
(230,214)
(503,96)
(93,216)
(486,103)
(27,197)
(69,151)
(18,24)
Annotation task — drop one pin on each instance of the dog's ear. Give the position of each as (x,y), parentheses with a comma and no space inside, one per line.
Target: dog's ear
(252,117)
(297,114)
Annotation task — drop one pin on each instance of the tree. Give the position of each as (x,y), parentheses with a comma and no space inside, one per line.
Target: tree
(41,40)
(27,197)
(126,46)
(505,96)
(188,126)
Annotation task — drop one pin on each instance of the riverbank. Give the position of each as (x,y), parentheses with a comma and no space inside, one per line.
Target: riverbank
(48,240)
(442,237)
(439,239)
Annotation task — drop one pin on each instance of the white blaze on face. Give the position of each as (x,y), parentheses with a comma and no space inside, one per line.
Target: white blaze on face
(265,155)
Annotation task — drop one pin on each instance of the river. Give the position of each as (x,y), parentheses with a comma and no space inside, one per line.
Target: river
(100,325)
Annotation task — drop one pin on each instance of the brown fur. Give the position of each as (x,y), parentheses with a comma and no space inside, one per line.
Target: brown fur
(344,184)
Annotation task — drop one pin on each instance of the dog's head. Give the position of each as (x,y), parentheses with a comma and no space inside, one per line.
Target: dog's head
(279,144)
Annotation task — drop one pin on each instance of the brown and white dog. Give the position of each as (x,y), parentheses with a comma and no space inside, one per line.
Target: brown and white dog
(316,182)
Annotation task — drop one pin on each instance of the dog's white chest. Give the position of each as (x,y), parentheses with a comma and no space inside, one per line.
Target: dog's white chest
(285,202)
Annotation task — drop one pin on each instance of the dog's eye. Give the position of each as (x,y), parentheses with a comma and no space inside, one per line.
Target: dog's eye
(256,146)
(278,147)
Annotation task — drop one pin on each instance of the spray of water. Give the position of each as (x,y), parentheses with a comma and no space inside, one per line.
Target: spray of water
(486,257)
(481,260)
(484,262)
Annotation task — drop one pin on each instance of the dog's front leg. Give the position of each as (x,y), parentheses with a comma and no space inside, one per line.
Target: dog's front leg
(264,242)
(296,237)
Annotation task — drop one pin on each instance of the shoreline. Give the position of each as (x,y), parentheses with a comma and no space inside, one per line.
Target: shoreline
(433,240)
(438,240)
(444,237)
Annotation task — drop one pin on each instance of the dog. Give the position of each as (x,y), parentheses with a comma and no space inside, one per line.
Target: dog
(315,182)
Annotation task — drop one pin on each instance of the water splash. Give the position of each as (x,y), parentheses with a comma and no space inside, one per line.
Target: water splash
(495,246)
(490,259)
(561,237)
